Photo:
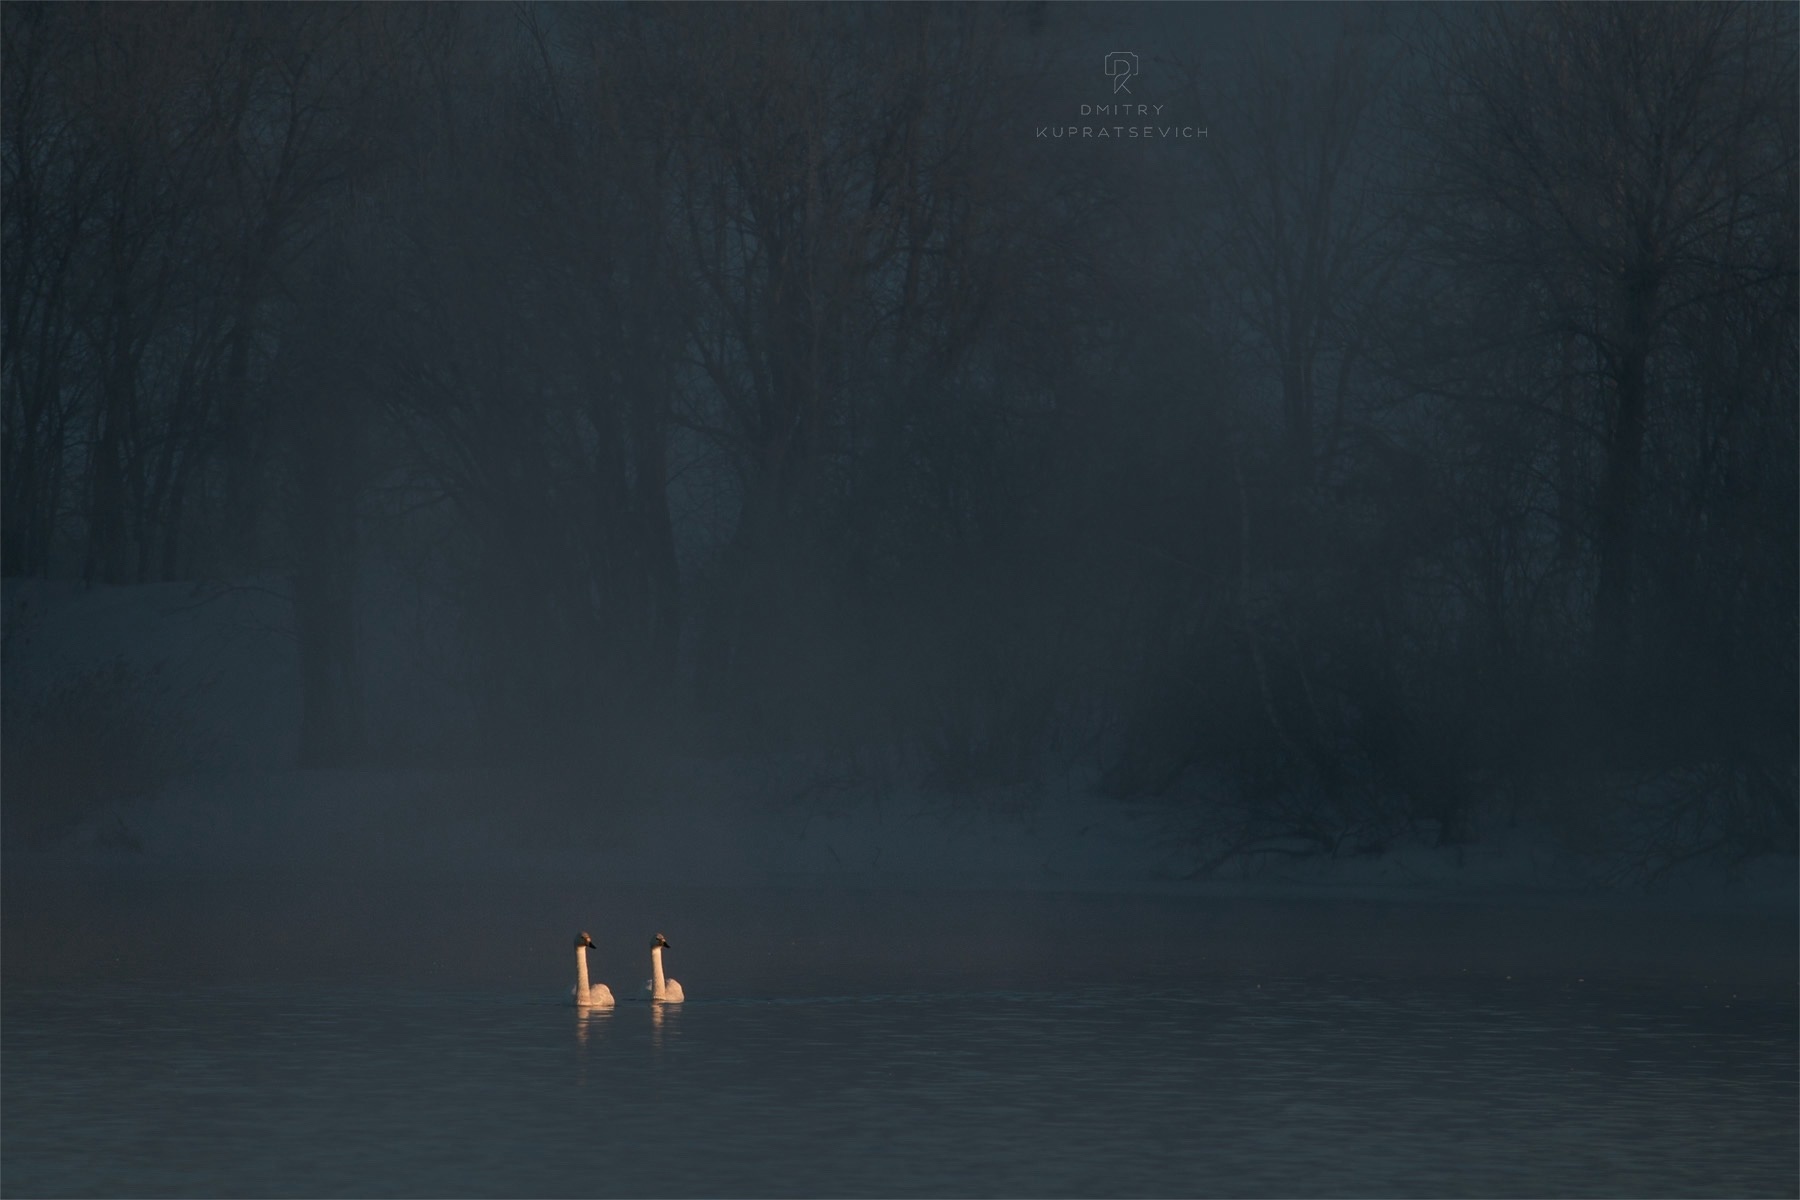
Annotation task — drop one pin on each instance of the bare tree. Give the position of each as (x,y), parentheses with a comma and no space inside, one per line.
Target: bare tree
(1307,242)
(1600,157)
(50,201)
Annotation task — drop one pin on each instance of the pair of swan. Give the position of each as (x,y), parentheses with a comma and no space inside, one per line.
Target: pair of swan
(598,995)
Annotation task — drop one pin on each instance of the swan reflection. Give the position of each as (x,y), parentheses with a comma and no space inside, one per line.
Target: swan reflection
(590,1021)
(664,1020)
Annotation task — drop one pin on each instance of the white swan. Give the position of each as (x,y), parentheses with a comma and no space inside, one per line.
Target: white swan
(583,994)
(666,990)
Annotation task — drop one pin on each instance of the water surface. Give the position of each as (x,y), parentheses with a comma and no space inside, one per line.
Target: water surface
(1218,1085)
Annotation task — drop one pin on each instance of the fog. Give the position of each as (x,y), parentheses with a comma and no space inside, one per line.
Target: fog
(1207,450)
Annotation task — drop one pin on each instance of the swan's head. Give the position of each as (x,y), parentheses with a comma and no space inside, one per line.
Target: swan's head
(583,940)
(661,943)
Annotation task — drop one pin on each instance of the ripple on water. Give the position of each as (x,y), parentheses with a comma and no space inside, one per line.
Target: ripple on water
(1344,1087)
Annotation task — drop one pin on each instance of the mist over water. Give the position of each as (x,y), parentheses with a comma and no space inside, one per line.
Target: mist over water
(407,1040)
(427,931)
(348,1032)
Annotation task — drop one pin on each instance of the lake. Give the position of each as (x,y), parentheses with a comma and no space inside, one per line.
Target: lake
(948,1061)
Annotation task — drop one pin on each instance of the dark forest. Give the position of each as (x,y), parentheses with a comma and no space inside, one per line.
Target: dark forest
(1387,433)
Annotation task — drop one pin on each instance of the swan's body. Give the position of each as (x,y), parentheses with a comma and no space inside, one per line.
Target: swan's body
(666,990)
(584,994)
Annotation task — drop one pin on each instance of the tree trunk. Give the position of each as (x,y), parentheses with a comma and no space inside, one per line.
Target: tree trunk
(1620,486)
(1297,417)
(171,532)
(240,496)
(657,533)
(1567,509)
(106,512)
(20,509)
(331,732)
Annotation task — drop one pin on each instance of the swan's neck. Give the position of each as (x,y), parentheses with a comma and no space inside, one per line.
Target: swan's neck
(656,975)
(581,979)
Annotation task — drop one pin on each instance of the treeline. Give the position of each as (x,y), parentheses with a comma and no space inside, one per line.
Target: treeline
(1420,445)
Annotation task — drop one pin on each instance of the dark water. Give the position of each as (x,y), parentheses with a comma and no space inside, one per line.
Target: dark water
(1377,1073)
(1341,1087)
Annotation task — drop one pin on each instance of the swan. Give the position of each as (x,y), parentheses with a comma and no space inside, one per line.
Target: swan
(583,994)
(666,990)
